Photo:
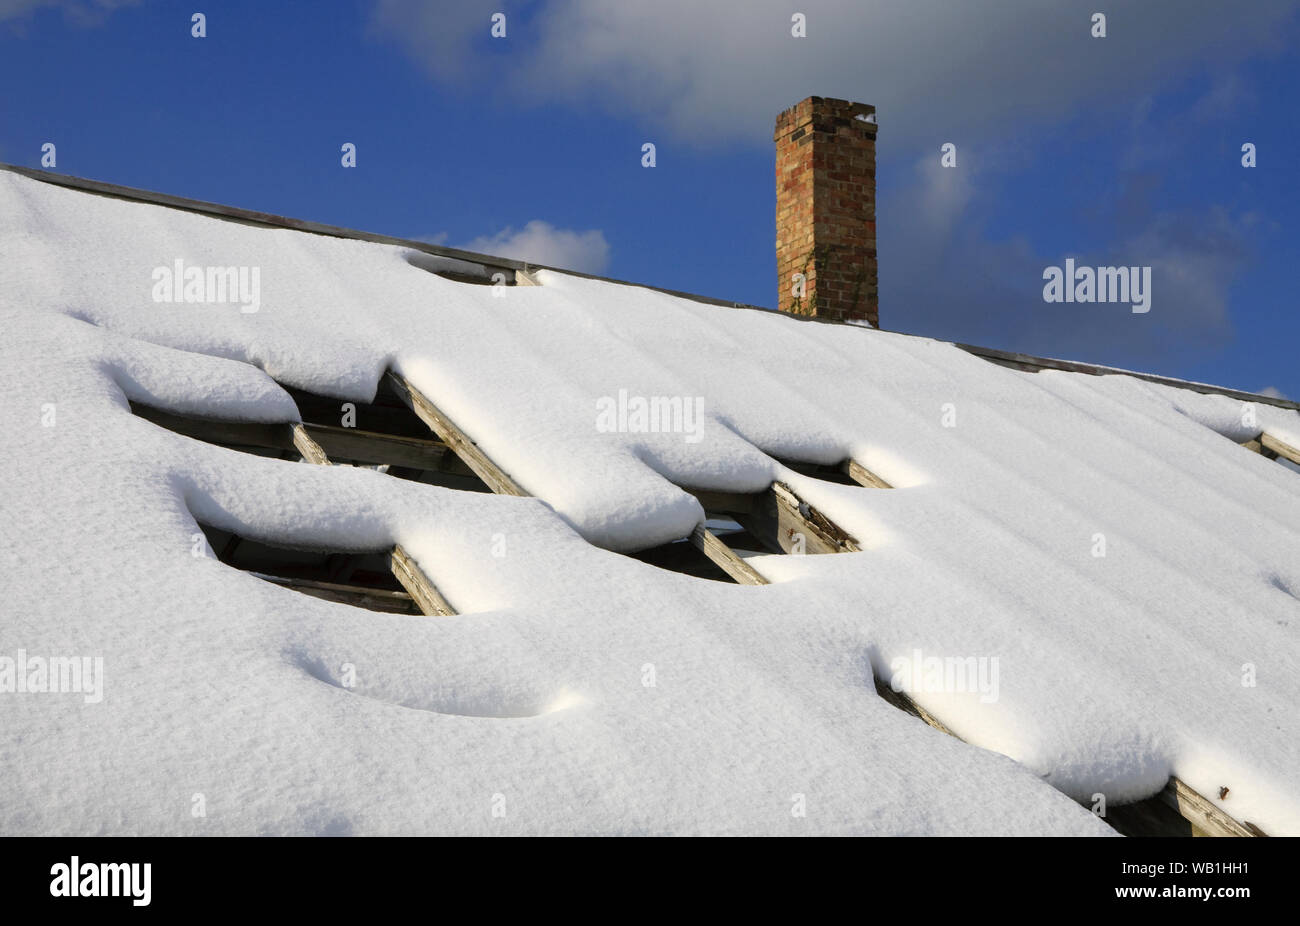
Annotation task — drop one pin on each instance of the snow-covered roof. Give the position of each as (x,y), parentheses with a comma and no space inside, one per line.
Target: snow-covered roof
(1124,576)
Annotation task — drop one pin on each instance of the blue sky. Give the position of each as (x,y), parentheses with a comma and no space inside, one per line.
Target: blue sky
(1117,150)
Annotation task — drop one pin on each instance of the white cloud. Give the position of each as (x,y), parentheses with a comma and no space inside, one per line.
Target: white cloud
(540,242)
(711,71)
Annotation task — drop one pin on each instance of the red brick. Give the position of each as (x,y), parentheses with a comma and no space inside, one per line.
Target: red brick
(826,208)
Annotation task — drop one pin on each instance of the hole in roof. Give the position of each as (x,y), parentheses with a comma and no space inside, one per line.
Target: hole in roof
(848,472)
(685,557)
(383,435)
(362,579)
(739,527)
(265,439)
(459,271)
(827,472)
(778,519)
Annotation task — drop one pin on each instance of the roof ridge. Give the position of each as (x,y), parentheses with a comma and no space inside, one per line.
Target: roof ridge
(218,210)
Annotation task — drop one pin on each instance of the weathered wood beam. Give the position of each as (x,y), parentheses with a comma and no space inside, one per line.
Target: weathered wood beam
(782,521)
(1205,818)
(407,571)
(779,517)
(904,702)
(418,585)
(1202,813)
(315,443)
(375,448)
(460,443)
(263,435)
(796,517)
(374,599)
(725,558)
(863,476)
(1280,447)
(307,446)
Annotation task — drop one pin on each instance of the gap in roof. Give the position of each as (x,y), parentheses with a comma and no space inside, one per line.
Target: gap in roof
(362,579)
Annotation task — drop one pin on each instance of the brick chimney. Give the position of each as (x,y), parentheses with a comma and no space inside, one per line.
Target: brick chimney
(826,209)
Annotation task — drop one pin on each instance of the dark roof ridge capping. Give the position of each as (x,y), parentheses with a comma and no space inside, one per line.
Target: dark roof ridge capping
(1005,358)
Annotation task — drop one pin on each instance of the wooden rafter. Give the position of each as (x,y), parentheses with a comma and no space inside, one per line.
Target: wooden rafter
(1205,818)
(460,443)
(262,435)
(725,558)
(1198,810)
(375,599)
(406,570)
(780,519)
(863,476)
(374,447)
(314,442)
(305,444)
(795,518)
(1279,448)
(418,585)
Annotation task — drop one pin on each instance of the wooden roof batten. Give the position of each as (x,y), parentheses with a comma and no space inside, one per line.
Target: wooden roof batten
(1272,447)
(457,440)
(404,567)
(524,273)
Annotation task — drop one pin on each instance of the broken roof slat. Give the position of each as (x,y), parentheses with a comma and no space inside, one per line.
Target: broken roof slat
(793,514)
(310,450)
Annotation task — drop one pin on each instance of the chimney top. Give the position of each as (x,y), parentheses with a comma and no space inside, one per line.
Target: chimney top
(826,209)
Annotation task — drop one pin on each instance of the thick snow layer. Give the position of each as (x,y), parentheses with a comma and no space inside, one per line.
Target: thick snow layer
(580,690)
